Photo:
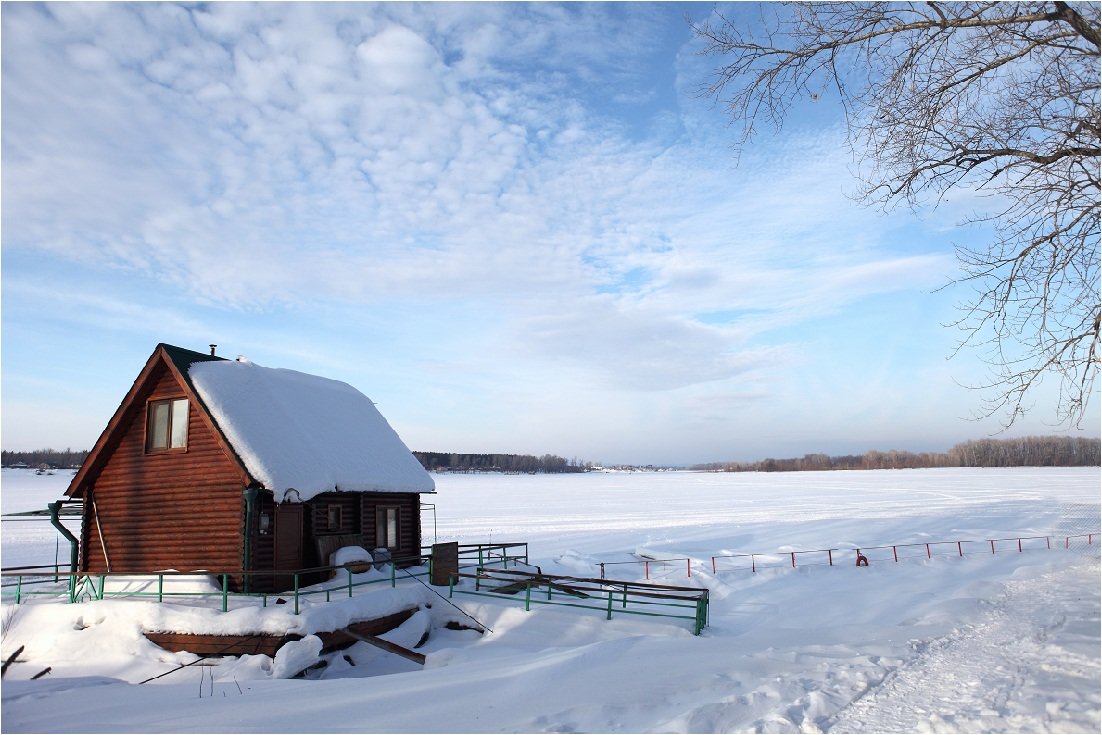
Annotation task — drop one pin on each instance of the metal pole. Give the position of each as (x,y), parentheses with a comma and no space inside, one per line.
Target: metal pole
(296,593)
(225,592)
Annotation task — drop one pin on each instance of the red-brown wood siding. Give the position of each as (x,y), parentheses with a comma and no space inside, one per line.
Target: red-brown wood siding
(409,520)
(179,510)
(358,516)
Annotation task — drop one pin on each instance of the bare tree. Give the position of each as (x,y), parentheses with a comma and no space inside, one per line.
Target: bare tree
(997,98)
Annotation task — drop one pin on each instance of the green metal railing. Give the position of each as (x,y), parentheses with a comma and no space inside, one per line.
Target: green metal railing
(19,583)
(604,595)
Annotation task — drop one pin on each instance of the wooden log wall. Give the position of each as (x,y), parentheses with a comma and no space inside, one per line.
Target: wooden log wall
(409,520)
(358,517)
(176,509)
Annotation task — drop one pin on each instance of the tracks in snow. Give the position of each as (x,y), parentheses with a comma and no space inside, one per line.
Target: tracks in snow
(1031,665)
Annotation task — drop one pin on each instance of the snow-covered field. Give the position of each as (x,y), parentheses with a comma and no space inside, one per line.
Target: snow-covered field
(980,643)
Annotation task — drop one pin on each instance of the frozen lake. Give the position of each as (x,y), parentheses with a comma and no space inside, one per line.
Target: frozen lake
(980,643)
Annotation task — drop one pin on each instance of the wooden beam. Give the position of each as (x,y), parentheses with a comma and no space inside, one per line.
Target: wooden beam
(394,648)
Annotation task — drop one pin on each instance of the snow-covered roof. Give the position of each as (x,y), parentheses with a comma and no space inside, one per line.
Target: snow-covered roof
(313,434)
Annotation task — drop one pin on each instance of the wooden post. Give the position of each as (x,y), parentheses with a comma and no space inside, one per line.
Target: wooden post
(445,563)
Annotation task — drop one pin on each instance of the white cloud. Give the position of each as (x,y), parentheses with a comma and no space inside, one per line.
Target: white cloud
(518,163)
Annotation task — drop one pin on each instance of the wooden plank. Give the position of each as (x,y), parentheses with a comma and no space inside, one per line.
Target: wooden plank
(269,643)
(220,645)
(390,647)
(337,639)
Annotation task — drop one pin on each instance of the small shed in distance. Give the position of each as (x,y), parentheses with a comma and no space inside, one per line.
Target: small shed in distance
(224,465)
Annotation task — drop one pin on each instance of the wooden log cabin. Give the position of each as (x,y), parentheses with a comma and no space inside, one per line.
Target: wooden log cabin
(223,465)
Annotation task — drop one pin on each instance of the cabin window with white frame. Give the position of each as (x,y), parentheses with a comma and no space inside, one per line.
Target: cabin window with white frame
(166,425)
(386,526)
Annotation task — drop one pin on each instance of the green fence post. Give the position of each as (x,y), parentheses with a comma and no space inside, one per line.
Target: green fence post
(349,581)
(296,593)
(480,562)
(72,588)
(102,585)
(609,605)
(18,589)
(451,585)
(527,597)
(160,588)
(225,592)
(393,576)
(625,597)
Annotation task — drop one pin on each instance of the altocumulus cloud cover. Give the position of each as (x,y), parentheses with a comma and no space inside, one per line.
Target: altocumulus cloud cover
(517,227)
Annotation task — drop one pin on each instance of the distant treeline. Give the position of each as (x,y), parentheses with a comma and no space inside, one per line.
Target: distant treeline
(57,459)
(548,463)
(1029,451)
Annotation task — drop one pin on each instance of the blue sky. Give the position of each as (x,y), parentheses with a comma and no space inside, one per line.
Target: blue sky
(516,227)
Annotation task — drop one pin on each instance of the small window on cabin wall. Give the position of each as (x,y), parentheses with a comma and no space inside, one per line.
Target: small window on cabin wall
(166,425)
(386,526)
(333,522)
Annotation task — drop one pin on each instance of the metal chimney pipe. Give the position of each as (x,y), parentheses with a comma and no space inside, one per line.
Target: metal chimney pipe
(212,347)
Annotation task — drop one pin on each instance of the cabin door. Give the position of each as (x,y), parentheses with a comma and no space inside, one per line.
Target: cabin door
(288,543)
